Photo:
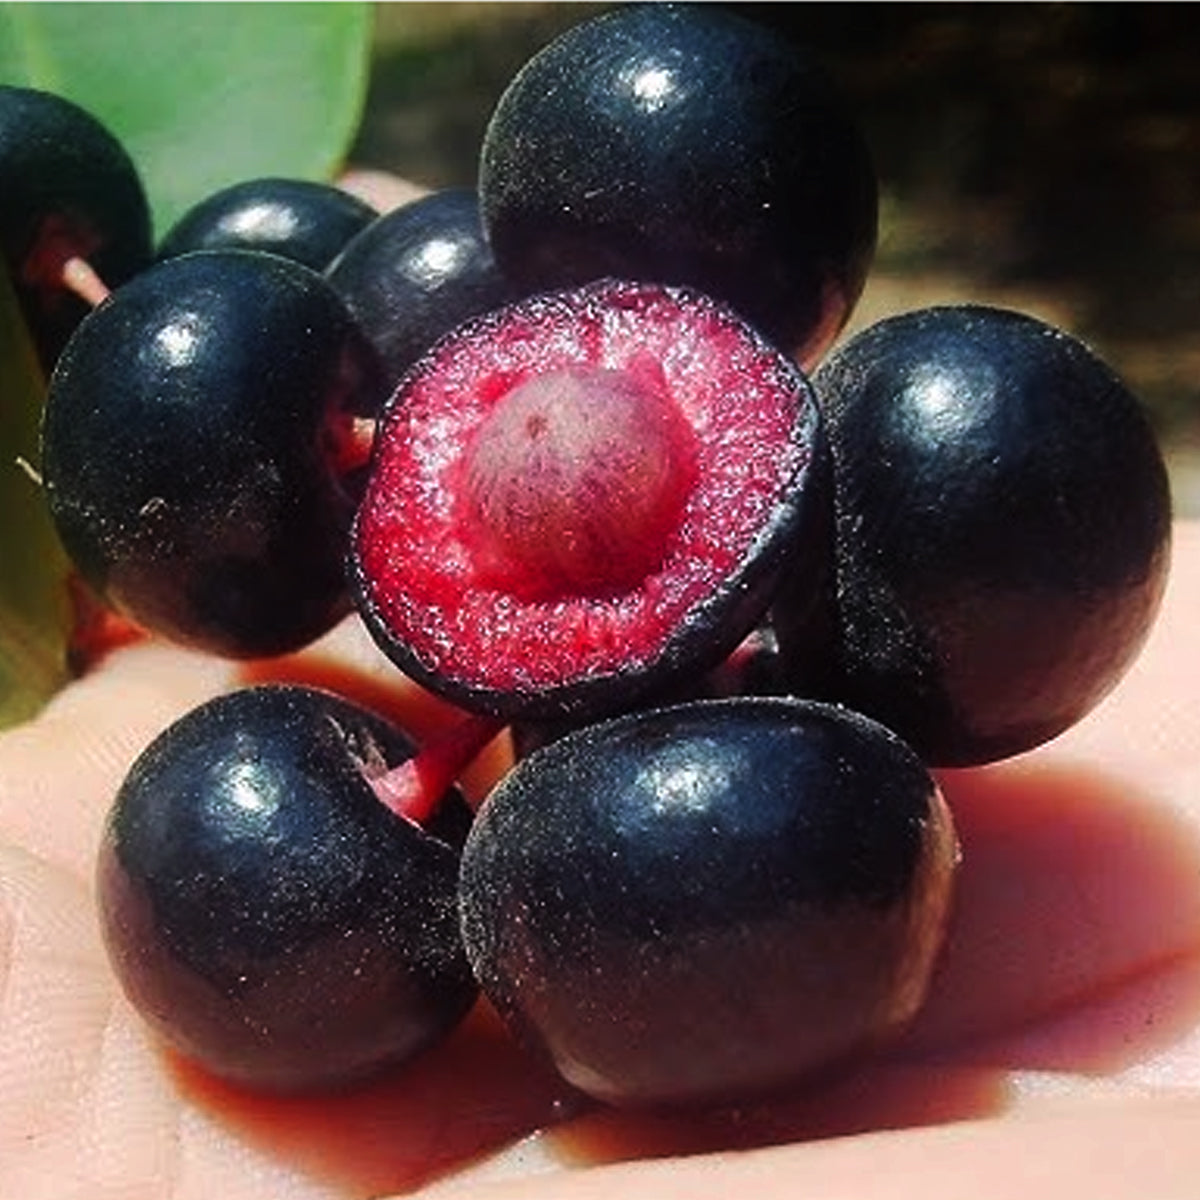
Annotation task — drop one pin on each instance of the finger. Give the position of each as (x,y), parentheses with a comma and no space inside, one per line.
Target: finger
(1099,1150)
(59,772)
(380,189)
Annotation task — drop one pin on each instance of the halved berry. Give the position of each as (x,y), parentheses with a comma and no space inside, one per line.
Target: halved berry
(579,498)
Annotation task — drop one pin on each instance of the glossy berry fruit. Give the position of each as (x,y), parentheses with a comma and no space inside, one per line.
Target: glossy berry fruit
(68,189)
(417,272)
(193,449)
(1002,517)
(264,912)
(705,903)
(584,497)
(300,219)
(684,144)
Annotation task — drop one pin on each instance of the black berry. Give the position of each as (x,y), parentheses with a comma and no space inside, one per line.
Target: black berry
(68,190)
(700,904)
(684,144)
(417,272)
(1002,529)
(300,219)
(194,450)
(265,912)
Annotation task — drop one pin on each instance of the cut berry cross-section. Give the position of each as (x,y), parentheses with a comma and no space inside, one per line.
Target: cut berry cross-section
(577,498)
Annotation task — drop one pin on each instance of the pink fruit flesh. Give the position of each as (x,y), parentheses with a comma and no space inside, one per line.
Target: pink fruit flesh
(501,540)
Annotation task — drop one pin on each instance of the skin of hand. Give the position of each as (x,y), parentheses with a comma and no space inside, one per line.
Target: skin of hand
(1058,1055)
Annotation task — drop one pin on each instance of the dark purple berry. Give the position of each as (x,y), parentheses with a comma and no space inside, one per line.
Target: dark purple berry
(1002,529)
(417,272)
(706,903)
(68,189)
(683,144)
(584,498)
(304,220)
(195,445)
(265,912)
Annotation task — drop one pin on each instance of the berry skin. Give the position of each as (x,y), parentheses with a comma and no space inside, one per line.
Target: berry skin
(585,497)
(684,145)
(417,272)
(701,904)
(67,189)
(299,219)
(265,912)
(1002,529)
(192,450)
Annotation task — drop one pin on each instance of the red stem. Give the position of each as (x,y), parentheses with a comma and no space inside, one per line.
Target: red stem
(79,277)
(351,439)
(415,788)
(58,259)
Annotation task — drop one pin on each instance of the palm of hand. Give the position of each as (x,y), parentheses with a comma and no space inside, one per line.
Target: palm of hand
(1059,1050)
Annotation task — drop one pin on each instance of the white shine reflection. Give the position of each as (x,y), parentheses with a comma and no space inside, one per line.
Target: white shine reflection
(244,785)
(436,259)
(685,784)
(651,87)
(268,222)
(936,398)
(177,341)
(946,402)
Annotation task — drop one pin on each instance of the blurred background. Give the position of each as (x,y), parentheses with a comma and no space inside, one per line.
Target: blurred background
(1040,156)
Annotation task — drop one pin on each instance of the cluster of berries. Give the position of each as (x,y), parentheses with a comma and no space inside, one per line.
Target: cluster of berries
(575,447)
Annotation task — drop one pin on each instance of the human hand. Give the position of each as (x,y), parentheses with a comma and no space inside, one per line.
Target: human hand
(1059,1052)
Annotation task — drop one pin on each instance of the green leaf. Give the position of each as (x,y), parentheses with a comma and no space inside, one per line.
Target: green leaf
(202,95)
(34,610)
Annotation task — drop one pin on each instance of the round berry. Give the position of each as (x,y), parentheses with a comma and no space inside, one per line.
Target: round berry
(1002,529)
(195,444)
(704,903)
(304,220)
(418,271)
(265,912)
(68,189)
(684,144)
